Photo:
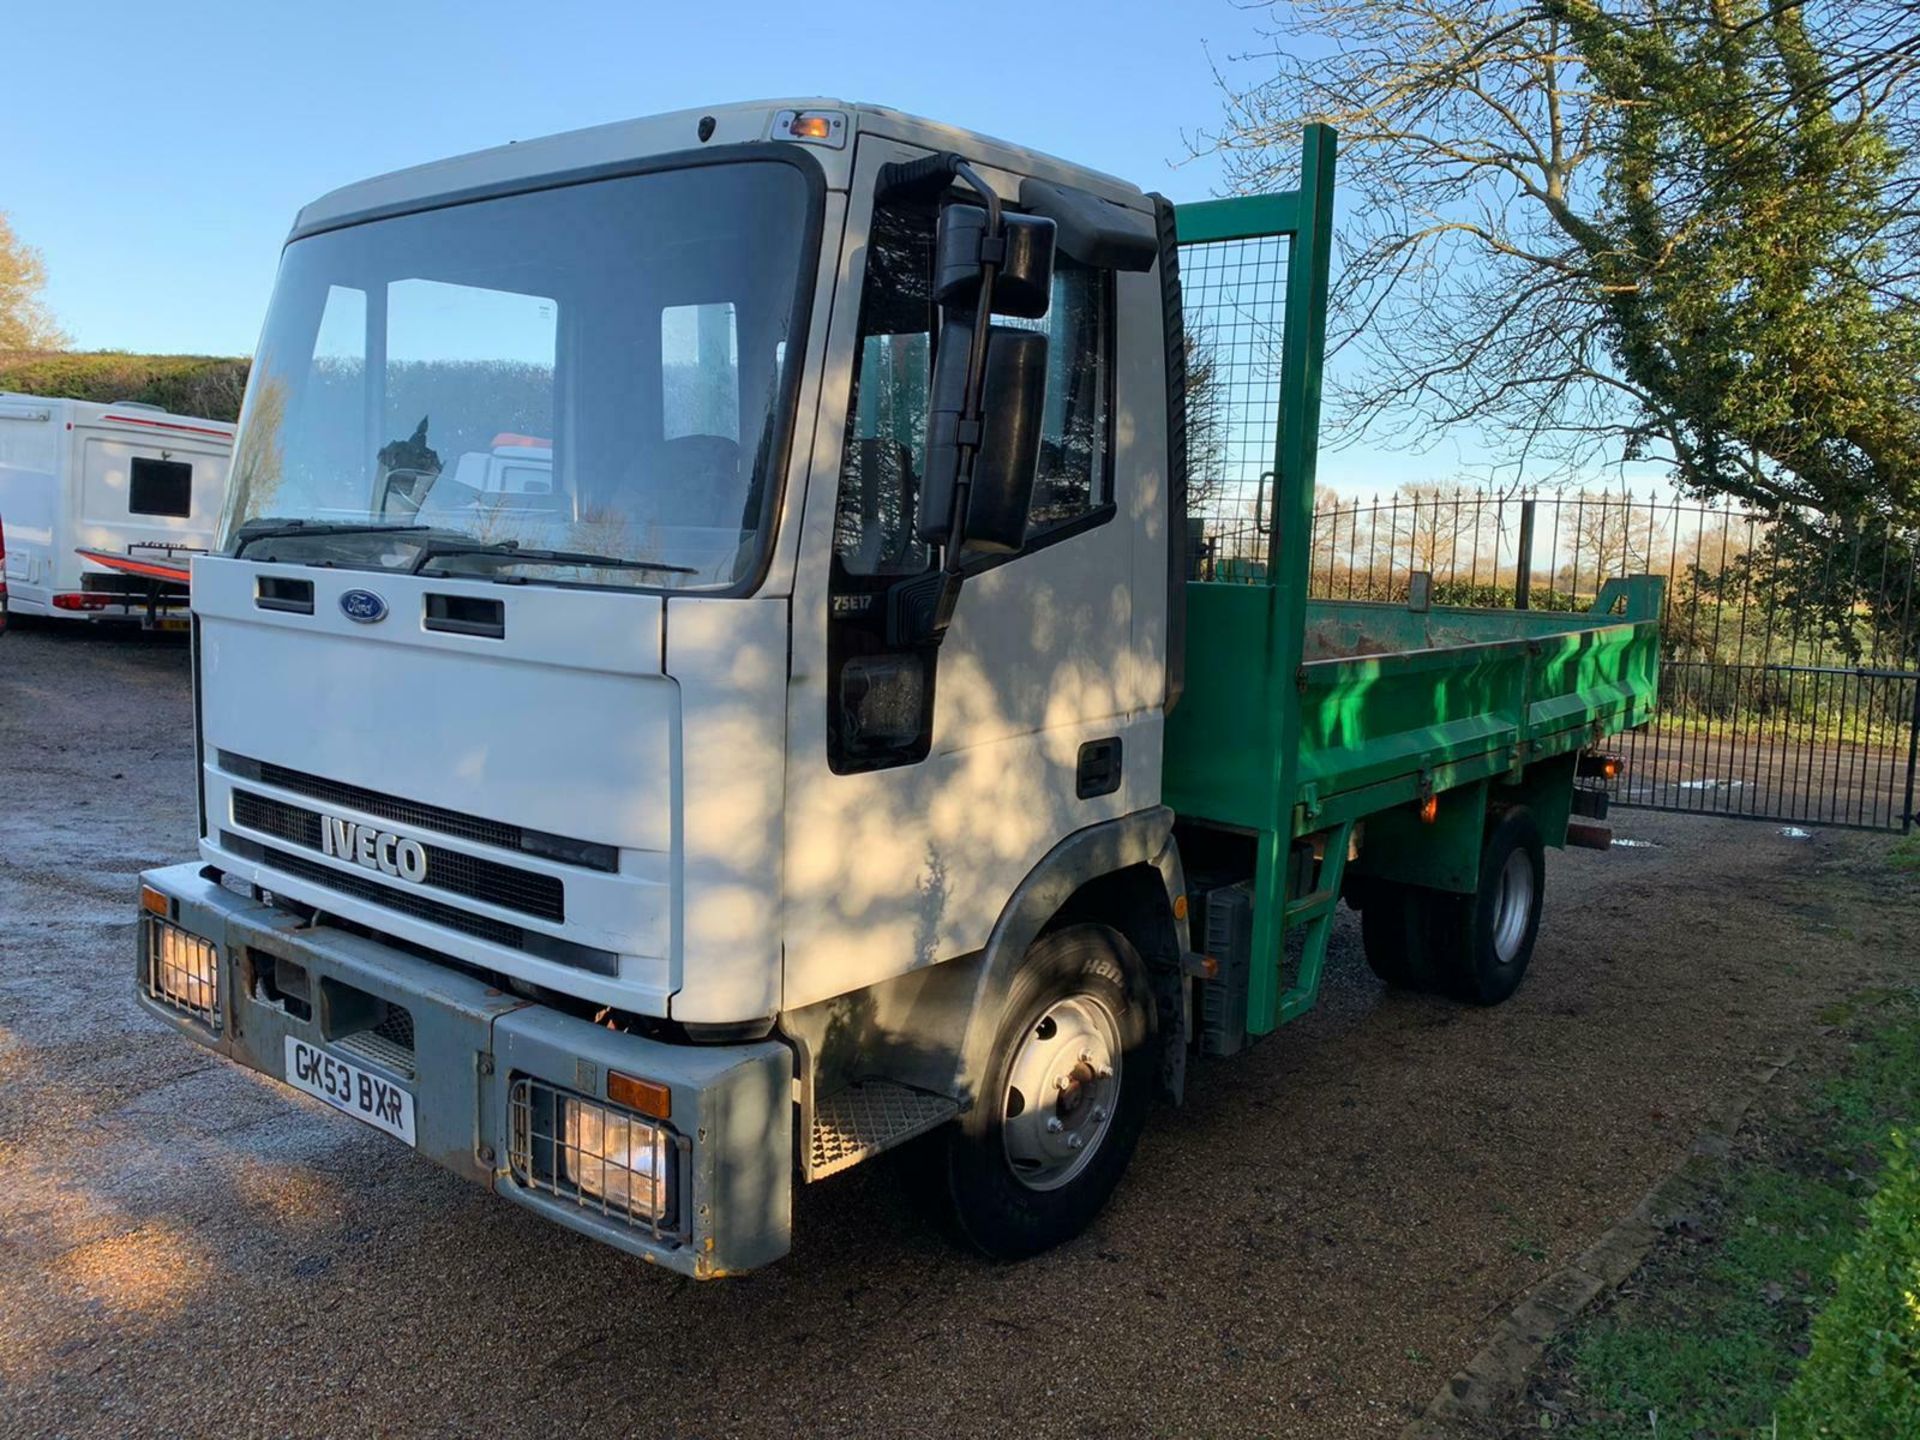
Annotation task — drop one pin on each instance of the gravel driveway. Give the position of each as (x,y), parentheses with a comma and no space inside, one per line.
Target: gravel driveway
(1309,1248)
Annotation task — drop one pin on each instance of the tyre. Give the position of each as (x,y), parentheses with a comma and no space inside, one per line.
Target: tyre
(1065,1096)
(1396,931)
(1486,938)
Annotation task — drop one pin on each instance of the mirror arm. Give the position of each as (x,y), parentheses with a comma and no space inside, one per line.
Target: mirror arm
(992,251)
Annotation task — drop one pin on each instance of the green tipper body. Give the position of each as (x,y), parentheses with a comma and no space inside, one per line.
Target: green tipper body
(1302,719)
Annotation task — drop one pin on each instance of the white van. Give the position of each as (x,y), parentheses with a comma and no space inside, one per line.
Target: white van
(123,479)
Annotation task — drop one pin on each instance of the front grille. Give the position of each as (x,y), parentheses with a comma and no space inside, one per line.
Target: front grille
(597,1156)
(585,853)
(405,902)
(541,896)
(563,952)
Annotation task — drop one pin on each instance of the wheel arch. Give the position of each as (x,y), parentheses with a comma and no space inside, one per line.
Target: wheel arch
(1125,873)
(1545,788)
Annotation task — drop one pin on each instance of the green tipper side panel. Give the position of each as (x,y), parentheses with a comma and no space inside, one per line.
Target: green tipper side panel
(1301,718)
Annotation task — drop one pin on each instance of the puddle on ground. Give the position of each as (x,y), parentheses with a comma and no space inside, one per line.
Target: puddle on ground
(1794,832)
(1625,844)
(1715,784)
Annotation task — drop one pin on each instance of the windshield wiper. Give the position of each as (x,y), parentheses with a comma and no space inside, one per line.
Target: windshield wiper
(280,530)
(514,552)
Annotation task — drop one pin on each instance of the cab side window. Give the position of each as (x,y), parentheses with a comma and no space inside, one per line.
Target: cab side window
(886,443)
(884,458)
(1072,479)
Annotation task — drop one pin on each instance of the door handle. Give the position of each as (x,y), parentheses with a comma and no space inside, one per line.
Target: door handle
(1098,769)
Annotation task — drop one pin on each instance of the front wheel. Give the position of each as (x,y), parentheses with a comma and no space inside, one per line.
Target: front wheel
(1064,1098)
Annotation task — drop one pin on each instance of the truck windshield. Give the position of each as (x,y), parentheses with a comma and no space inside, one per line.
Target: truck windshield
(597,371)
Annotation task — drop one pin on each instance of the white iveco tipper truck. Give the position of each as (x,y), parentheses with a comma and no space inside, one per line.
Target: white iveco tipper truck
(683,689)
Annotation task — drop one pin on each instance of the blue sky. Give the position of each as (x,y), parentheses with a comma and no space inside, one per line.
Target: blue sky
(156,154)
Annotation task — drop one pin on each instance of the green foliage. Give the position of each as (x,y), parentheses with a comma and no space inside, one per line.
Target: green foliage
(1862,1379)
(1486,595)
(1590,230)
(210,386)
(1716,1356)
(1741,257)
(1709,1342)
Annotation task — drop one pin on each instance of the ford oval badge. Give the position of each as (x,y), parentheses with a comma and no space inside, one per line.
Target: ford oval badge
(364,606)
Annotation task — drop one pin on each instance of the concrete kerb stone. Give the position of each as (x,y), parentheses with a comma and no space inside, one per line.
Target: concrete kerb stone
(1496,1376)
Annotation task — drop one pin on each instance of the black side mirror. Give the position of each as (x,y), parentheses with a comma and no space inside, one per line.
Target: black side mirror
(1023,285)
(1012,402)
(989,388)
(1013,394)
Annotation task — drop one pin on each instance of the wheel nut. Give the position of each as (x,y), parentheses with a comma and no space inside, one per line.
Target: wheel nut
(1099,1112)
(1063,1082)
(1054,1127)
(1074,1142)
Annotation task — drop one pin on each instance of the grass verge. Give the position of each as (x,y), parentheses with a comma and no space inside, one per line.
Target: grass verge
(1905,855)
(1706,1341)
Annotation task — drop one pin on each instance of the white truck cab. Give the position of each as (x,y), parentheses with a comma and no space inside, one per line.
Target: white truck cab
(619,778)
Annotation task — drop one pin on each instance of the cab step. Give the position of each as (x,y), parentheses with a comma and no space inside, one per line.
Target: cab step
(869,1117)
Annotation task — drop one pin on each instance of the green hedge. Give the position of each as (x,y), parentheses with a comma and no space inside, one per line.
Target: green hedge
(204,385)
(1861,1380)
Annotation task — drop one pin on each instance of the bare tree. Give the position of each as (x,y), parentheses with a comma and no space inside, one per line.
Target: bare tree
(1602,536)
(1441,528)
(1328,544)
(1208,420)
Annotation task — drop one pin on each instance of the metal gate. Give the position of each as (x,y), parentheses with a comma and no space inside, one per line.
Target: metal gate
(1790,657)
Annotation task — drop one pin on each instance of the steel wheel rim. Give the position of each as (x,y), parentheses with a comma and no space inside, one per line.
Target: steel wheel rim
(1062,1091)
(1512,906)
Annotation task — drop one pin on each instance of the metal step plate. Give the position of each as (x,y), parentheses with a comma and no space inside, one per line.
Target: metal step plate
(867,1118)
(380,1049)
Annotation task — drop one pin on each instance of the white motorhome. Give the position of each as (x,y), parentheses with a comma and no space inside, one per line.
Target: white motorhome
(123,479)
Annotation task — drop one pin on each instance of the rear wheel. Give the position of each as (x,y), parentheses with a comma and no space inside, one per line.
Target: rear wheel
(1064,1100)
(1396,929)
(1488,936)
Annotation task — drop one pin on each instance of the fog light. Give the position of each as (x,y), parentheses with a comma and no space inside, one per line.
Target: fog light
(612,1157)
(182,970)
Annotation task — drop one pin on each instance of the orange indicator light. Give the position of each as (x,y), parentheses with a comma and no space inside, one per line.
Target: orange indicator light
(649,1097)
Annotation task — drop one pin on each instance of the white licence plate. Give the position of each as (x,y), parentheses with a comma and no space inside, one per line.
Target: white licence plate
(362,1094)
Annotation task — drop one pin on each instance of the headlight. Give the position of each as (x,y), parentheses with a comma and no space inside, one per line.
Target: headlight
(182,969)
(613,1157)
(597,1155)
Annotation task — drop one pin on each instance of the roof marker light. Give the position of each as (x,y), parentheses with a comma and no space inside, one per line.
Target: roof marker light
(812,127)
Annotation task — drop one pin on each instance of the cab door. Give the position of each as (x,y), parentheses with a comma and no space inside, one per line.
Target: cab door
(923,787)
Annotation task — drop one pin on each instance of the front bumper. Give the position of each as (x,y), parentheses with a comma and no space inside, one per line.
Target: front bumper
(474,1054)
